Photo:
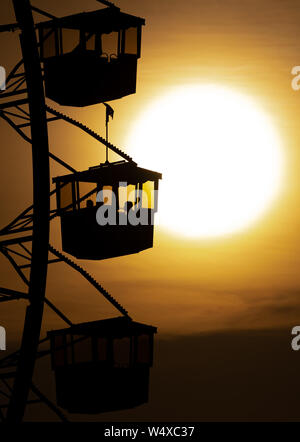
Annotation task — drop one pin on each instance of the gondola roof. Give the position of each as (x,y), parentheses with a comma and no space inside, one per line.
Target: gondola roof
(116,327)
(112,173)
(107,20)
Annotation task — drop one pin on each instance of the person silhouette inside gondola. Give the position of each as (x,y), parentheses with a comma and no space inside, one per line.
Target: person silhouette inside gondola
(128,206)
(102,203)
(89,204)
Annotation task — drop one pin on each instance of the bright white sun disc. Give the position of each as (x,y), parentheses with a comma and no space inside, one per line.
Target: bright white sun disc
(219,154)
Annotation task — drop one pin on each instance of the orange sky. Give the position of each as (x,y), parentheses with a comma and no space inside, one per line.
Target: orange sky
(224,307)
(246,280)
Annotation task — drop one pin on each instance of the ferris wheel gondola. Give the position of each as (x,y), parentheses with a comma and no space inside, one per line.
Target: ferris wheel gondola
(103,365)
(107,210)
(90,57)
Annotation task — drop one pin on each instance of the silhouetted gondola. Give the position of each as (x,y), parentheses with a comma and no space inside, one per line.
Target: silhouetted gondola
(90,57)
(102,365)
(108,210)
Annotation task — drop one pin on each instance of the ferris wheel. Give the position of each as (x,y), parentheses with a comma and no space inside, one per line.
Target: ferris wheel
(78,60)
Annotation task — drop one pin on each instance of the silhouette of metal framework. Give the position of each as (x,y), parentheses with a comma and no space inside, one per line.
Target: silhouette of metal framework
(25,240)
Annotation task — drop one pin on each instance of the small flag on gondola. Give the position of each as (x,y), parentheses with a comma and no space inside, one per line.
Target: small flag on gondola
(109,112)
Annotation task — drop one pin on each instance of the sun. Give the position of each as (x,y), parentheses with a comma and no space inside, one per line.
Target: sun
(220,156)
